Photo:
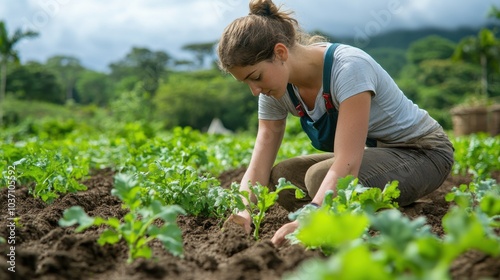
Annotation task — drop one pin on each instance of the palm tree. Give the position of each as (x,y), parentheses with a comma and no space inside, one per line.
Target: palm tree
(7,52)
(483,49)
(494,12)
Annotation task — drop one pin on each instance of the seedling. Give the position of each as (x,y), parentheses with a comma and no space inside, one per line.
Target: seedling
(137,228)
(348,210)
(266,199)
(355,197)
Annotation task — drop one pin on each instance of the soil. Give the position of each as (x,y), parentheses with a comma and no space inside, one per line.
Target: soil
(46,251)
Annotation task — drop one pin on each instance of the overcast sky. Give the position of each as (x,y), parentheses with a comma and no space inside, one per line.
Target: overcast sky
(101,32)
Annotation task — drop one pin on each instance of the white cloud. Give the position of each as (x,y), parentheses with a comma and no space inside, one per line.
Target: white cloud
(444,13)
(99,32)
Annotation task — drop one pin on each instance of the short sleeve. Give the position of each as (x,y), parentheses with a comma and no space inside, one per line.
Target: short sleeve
(353,74)
(271,109)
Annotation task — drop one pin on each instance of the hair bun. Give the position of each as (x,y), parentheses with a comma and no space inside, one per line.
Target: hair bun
(264,8)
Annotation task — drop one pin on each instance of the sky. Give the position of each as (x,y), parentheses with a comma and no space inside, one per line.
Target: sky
(100,32)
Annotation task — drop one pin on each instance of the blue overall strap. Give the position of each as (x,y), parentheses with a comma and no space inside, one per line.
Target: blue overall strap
(327,75)
(322,131)
(327,67)
(296,102)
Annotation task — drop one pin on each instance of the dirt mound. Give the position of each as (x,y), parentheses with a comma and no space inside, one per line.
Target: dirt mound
(46,251)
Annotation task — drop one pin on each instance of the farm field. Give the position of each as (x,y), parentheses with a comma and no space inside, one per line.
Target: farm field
(121,164)
(192,170)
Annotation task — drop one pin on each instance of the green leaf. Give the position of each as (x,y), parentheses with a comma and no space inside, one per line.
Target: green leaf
(167,213)
(322,228)
(425,254)
(466,231)
(353,263)
(374,199)
(142,252)
(490,204)
(303,211)
(113,222)
(109,237)
(397,230)
(343,183)
(171,237)
(126,189)
(76,215)
(328,199)
(359,263)
(19,162)
(299,193)
(268,200)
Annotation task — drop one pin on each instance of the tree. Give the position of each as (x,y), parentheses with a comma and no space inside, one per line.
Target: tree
(483,49)
(33,81)
(67,69)
(147,66)
(184,65)
(494,12)
(7,53)
(94,87)
(393,60)
(441,82)
(195,98)
(431,47)
(201,51)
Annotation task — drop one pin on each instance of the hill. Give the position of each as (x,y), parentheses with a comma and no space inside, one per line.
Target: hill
(402,38)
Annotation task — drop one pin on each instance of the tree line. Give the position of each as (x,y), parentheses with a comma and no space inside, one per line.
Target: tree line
(434,71)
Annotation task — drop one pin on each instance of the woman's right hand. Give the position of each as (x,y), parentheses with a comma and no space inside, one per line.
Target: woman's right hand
(242,219)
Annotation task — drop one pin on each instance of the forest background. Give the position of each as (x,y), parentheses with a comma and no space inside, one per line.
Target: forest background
(436,68)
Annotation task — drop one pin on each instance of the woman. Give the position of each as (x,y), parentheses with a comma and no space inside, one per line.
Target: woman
(285,68)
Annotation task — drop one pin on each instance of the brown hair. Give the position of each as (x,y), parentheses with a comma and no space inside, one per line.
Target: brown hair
(251,39)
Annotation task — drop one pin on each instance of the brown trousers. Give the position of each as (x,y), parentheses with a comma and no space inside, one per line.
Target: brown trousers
(420,166)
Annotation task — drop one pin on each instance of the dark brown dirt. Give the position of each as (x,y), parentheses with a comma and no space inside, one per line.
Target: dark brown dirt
(46,251)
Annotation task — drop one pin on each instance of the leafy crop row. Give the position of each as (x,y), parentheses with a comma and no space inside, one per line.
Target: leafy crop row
(178,170)
(51,164)
(368,244)
(138,226)
(477,155)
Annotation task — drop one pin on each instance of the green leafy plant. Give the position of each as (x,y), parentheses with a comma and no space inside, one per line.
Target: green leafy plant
(353,196)
(138,227)
(469,196)
(349,210)
(477,155)
(480,199)
(357,262)
(396,247)
(199,195)
(320,229)
(264,200)
(51,170)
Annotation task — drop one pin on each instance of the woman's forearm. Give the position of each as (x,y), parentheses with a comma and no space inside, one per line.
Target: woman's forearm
(339,169)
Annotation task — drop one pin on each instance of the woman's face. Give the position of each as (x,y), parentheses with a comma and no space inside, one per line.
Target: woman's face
(266,77)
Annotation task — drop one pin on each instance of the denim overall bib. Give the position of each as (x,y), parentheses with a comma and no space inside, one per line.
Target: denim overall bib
(322,132)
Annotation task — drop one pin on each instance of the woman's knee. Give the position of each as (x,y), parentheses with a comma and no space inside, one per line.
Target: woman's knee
(315,175)
(293,170)
(280,170)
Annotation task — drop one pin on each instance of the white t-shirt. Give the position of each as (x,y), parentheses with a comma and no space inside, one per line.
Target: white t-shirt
(393,117)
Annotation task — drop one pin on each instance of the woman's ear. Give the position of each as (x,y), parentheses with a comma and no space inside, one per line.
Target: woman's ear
(281,52)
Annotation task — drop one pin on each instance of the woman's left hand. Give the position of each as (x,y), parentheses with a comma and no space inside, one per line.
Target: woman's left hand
(279,237)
